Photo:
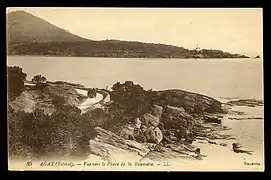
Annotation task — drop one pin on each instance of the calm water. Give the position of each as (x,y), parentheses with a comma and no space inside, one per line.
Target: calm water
(241,78)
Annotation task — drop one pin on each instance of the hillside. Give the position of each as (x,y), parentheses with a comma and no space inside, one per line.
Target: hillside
(30,35)
(23,27)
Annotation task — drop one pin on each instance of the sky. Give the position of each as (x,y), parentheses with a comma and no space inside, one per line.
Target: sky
(231,30)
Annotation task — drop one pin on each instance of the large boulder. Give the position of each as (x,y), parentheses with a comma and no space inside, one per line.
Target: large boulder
(169,136)
(139,135)
(176,118)
(25,102)
(126,131)
(174,111)
(210,119)
(131,130)
(153,135)
(174,122)
(30,100)
(157,111)
(137,123)
(150,120)
(98,149)
(182,132)
(178,112)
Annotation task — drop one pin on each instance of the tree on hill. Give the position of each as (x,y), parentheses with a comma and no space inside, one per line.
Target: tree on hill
(16,78)
(131,99)
(39,79)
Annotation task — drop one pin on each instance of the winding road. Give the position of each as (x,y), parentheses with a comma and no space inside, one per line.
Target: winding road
(92,103)
(89,103)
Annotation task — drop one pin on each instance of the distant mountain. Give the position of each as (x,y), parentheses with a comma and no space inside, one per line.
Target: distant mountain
(23,27)
(30,35)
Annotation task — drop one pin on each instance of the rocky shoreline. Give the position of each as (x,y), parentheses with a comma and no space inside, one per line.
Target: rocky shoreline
(246,102)
(166,131)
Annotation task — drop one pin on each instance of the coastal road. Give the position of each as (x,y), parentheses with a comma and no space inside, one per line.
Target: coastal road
(92,103)
(89,103)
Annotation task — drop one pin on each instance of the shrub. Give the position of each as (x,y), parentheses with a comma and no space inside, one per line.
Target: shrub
(40,82)
(91,93)
(40,86)
(16,78)
(64,133)
(129,101)
(58,101)
(39,79)
(97,117)
(131,97)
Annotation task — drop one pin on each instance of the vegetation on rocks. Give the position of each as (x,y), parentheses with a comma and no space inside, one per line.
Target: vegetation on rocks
(15,81)
(129,101)
(63,133)
(37,133)
(135,118)
(39,79)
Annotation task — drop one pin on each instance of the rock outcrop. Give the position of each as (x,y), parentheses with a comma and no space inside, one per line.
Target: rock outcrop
(25,102)
(175,118)
(245,102)
(212,119)
(150,120)
(191,102)
(45,99)
(165,130)
(157,111)
(108,144)
(147,131)
(28,101)
(153,135)
(144,129)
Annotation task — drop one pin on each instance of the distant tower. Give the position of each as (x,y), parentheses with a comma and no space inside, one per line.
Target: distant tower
(197,48)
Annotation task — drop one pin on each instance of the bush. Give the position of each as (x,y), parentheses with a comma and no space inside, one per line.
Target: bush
(91,93)
(16,78)
(131,97)
(40,86)
(58,101)
(40,82)
(39,79)
(129,101)
(97,117)
(64,133)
